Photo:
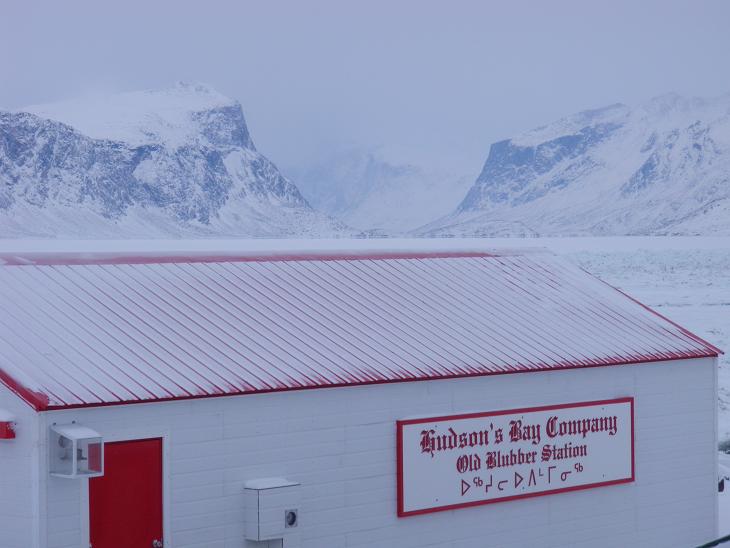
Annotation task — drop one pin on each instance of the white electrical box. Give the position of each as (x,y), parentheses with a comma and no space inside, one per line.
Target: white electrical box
(271,510)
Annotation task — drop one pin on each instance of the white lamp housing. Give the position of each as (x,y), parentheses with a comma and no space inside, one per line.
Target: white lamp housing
(272,510)
(75,451)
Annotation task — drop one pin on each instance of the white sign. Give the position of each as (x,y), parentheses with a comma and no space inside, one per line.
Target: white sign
(465,460)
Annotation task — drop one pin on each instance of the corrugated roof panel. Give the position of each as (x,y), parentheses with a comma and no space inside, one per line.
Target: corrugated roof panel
(97,333)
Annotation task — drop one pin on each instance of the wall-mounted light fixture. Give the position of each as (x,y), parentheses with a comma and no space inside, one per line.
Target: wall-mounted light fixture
(75,451)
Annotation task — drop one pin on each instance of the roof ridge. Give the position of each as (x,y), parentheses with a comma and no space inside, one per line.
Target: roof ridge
(59,259)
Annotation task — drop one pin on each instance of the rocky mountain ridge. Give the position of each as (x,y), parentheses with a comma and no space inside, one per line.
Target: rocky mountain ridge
(660,168)
(170,163)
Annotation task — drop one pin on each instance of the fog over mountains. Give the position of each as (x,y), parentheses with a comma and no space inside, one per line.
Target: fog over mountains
(180,162)
(379,190)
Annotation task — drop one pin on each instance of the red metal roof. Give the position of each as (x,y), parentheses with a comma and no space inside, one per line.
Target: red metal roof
(98,332)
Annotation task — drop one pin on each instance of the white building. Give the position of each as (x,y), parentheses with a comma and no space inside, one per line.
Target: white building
(248,401)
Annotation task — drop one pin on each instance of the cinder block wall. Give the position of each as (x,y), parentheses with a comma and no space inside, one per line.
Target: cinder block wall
(340,444)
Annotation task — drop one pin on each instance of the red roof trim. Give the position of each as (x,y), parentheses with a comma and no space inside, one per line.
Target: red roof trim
(36,400)
(605,363)
(70,259)
(687,332)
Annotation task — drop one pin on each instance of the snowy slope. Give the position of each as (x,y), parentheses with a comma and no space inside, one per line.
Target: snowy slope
(172,163)
(173,117)
(660,168)
(367,189)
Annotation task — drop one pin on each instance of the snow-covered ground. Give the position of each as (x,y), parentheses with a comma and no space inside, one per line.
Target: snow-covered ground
(724,497)
(689,286)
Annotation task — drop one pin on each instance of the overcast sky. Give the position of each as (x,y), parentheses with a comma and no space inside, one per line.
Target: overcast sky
(444,79)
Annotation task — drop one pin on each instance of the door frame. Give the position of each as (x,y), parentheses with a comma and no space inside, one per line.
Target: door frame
(85,509)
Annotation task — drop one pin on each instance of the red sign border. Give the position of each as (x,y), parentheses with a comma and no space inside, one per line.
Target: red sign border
(399,450)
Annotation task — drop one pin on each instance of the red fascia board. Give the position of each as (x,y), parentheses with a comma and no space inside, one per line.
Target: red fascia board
(116,259)
(37,400)
(687,332)
(607,363)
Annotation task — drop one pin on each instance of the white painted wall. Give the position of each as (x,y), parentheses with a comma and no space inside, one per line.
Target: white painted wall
(340,444)
(19,468)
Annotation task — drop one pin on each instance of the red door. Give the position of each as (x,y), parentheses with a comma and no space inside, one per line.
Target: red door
(125,504)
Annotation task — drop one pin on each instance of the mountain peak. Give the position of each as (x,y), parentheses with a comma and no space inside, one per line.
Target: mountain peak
(193,87)
(571,125)
(172,116)
(666,103)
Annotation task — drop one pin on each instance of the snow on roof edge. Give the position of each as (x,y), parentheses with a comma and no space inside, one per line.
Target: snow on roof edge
(43,252)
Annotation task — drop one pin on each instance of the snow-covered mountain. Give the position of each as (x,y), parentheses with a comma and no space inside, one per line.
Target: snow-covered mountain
(168,163)
(180,163)
(367,189)
(660,168)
